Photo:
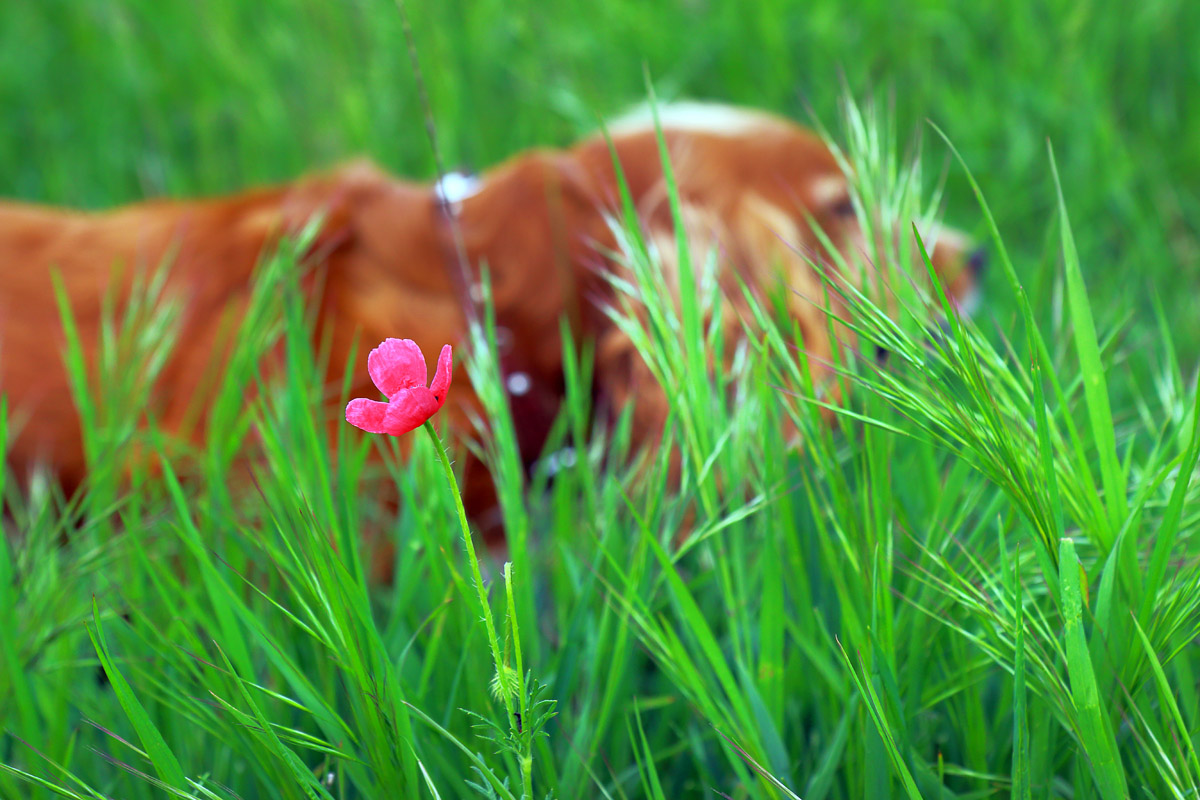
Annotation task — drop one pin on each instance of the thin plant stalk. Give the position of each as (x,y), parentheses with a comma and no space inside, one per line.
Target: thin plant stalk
(481,592)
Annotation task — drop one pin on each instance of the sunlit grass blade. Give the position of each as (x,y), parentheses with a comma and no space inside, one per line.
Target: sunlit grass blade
(1099,746)
(1095,384)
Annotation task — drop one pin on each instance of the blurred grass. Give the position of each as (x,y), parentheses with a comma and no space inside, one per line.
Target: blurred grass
(892,611)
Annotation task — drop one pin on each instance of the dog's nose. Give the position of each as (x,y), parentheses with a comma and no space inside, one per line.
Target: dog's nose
(977,262)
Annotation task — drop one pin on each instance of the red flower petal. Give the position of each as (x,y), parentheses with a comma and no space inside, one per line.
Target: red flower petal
(409,409)
(395,365)
(398,369)
(367,414)
(441,379)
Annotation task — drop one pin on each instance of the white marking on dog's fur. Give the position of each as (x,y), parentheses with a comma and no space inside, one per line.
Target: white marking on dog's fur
(942,236)
(518,384)
(969,303)
(830,189)
(454,187)
(714,118)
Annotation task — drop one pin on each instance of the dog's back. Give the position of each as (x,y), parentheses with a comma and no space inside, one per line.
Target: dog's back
(96,255)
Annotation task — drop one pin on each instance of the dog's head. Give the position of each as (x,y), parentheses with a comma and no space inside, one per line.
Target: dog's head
(776,205)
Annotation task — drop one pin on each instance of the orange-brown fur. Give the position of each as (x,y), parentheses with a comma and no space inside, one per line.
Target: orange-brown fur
(387,263)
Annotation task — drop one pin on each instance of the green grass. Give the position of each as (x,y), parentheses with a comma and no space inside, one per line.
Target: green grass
(981,581)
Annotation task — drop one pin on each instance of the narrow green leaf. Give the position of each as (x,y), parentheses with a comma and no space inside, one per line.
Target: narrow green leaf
(1099,745)
(1095,384)
(156,747)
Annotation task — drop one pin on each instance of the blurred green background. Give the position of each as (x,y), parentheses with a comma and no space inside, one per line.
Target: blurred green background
(106,102)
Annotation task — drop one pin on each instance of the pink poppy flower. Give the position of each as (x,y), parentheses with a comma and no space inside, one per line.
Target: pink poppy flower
(398,369)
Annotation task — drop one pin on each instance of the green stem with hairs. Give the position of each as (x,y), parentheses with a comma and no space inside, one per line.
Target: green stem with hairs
(523,711)
(476,572)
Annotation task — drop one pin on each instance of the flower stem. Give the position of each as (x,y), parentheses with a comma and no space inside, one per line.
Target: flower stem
(523,710)
(484,607)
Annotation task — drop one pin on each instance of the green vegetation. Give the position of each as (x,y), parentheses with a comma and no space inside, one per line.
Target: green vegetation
(981,581)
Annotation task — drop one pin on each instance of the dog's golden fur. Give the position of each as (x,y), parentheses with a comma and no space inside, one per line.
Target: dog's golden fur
(750,185)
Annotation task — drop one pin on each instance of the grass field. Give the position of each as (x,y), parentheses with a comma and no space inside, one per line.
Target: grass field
(983,581)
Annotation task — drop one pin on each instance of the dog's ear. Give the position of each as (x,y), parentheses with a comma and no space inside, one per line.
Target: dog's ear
(535,208)
(537,226)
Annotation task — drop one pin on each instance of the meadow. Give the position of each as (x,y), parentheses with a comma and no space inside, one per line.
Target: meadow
(981,580)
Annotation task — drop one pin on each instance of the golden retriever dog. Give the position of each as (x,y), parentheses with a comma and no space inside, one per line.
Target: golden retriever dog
(397,258)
